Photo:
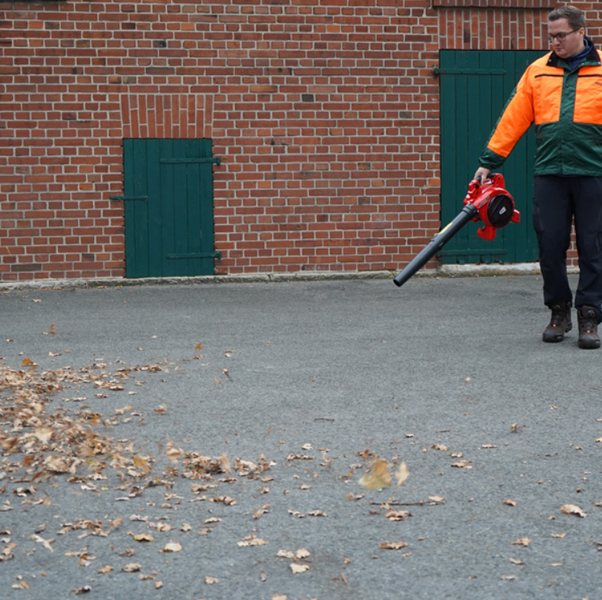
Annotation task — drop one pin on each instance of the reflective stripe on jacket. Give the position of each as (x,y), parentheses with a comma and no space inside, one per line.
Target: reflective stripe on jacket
(566,107)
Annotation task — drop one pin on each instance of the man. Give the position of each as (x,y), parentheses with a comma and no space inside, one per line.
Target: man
(562,94)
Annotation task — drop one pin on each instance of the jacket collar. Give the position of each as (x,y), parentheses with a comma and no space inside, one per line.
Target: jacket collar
(592,58)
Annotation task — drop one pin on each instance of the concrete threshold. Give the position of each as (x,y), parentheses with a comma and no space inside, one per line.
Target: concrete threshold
(484,270)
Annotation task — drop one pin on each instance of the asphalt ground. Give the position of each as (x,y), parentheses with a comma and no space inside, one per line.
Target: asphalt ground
(208,441)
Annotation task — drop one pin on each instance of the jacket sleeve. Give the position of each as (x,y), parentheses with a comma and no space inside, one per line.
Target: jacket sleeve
(516,118)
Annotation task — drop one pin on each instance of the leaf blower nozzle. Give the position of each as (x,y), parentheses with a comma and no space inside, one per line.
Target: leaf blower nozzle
(486,201)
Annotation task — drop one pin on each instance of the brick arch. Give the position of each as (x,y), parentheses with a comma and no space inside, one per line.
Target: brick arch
(166,116)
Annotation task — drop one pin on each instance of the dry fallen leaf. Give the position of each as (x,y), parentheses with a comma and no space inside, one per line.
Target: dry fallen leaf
(397,515)
(225,463)
(402,474)
(172,547)
(252,540)
(7,551)
(293,456)
(516,561)
(41,540)
(212,520)
(261,511)
(22,585)
(572,509)
(44,434)
(559,535)
(509,502)
(522,542)
(355,497)
(227,500)
(377,477)
(141,464)
(297,568)
(158,584)
(173,453)
(300,554)
(82,590)
(393,545)
(211,580)
(131,567)
(142,537)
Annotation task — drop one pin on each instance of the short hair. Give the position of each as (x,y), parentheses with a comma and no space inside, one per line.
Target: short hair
(573,15)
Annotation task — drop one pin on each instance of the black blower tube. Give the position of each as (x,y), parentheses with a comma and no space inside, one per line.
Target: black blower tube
(468,213)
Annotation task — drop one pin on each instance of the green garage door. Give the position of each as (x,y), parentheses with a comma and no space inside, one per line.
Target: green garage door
(168,196)
(474,88)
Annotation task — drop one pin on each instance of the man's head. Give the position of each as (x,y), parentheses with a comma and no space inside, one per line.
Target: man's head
(566,29)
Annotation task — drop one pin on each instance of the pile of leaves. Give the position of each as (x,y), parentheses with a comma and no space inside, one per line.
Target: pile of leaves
(39,440)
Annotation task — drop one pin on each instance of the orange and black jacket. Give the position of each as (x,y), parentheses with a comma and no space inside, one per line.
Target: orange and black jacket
(566,107)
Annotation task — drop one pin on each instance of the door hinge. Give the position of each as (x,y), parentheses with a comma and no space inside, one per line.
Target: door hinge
(437,72)
(187,161)
(217,255)
(129,198)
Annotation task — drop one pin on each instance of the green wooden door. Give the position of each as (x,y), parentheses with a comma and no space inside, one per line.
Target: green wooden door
(474,88)
(168,195)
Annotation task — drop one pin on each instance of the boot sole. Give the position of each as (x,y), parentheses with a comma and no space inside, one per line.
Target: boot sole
(589,344)
(552,337)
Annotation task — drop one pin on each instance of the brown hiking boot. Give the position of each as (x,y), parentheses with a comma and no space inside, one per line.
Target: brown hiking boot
(588,328)
(560,323)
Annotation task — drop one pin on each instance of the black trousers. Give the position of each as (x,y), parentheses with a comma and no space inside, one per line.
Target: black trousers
(557,202)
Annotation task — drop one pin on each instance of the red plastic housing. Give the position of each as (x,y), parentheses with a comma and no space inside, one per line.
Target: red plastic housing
(494,204)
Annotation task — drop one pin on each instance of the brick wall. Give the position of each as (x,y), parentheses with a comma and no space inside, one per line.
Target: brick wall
(324,113)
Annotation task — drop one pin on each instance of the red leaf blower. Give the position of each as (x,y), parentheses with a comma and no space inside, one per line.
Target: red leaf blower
(488,202)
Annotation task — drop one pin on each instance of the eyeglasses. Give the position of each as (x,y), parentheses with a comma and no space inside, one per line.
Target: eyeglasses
(560,36)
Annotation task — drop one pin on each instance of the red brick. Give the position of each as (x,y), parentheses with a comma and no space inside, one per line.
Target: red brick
(325,116)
